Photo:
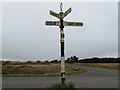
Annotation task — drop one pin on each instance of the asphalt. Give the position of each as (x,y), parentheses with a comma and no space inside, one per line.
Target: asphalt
(93,78)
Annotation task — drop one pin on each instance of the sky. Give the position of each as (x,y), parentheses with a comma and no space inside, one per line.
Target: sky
(0,31)
(26,37)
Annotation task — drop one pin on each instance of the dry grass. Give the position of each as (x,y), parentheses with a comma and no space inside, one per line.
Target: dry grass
(101,65)
(36,70)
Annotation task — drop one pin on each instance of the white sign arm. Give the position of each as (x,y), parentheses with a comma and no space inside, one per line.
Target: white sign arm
(54,14)
(52,23)
(72,23)
(67,12)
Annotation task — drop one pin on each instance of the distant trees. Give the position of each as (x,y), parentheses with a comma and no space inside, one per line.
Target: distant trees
(72,59)
(6,62)
(29,62)
(100,60)
(54,61)
(38,62)
(46,62)
(75,59)
(25,63)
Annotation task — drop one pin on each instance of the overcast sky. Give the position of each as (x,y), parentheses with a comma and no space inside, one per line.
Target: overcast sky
(0,31)
(25,36)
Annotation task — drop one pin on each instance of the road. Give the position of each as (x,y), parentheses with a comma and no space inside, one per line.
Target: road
(93,78)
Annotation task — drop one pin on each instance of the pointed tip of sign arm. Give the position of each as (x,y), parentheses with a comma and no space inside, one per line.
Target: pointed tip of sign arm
(70,9)
(45,22)
(50,11)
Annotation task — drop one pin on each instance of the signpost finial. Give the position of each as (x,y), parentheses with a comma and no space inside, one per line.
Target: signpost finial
(61,6)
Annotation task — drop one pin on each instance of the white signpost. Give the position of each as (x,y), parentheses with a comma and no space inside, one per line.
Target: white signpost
(61,25)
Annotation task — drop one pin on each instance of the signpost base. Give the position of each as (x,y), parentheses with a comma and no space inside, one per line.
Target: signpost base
(63,78)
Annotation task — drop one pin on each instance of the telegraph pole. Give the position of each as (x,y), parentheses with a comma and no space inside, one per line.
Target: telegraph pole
(61,25)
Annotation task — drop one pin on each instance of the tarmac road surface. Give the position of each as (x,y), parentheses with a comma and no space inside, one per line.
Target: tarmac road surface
(93,78)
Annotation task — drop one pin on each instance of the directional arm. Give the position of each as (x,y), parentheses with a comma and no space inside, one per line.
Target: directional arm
(52,23)
(57,23)
(66,13)
(72,23)
(54,14)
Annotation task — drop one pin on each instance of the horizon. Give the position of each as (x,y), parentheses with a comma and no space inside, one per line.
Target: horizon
(58,59)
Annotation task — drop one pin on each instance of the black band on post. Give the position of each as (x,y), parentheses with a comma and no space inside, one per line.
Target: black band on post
(62,49)
(61,24)
(63,78)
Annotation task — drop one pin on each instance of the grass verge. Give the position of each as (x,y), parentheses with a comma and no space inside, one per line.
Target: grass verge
(70,85)
(58,86)
(37,70)
(99,65)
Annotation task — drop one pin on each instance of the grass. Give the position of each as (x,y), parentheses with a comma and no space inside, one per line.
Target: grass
(73,89)
(100,65)
(58,86)
(70,85)
(37,70)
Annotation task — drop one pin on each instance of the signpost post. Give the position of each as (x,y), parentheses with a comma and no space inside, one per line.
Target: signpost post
(61,25)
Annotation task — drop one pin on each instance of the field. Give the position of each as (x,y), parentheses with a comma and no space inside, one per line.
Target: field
(107,78)
(100,65)
(37,70)
(50,69)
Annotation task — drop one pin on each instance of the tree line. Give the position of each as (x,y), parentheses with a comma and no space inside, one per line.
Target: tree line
(75,59)
(72,59)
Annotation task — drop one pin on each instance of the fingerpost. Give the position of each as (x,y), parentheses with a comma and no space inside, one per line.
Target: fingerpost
(61,23)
